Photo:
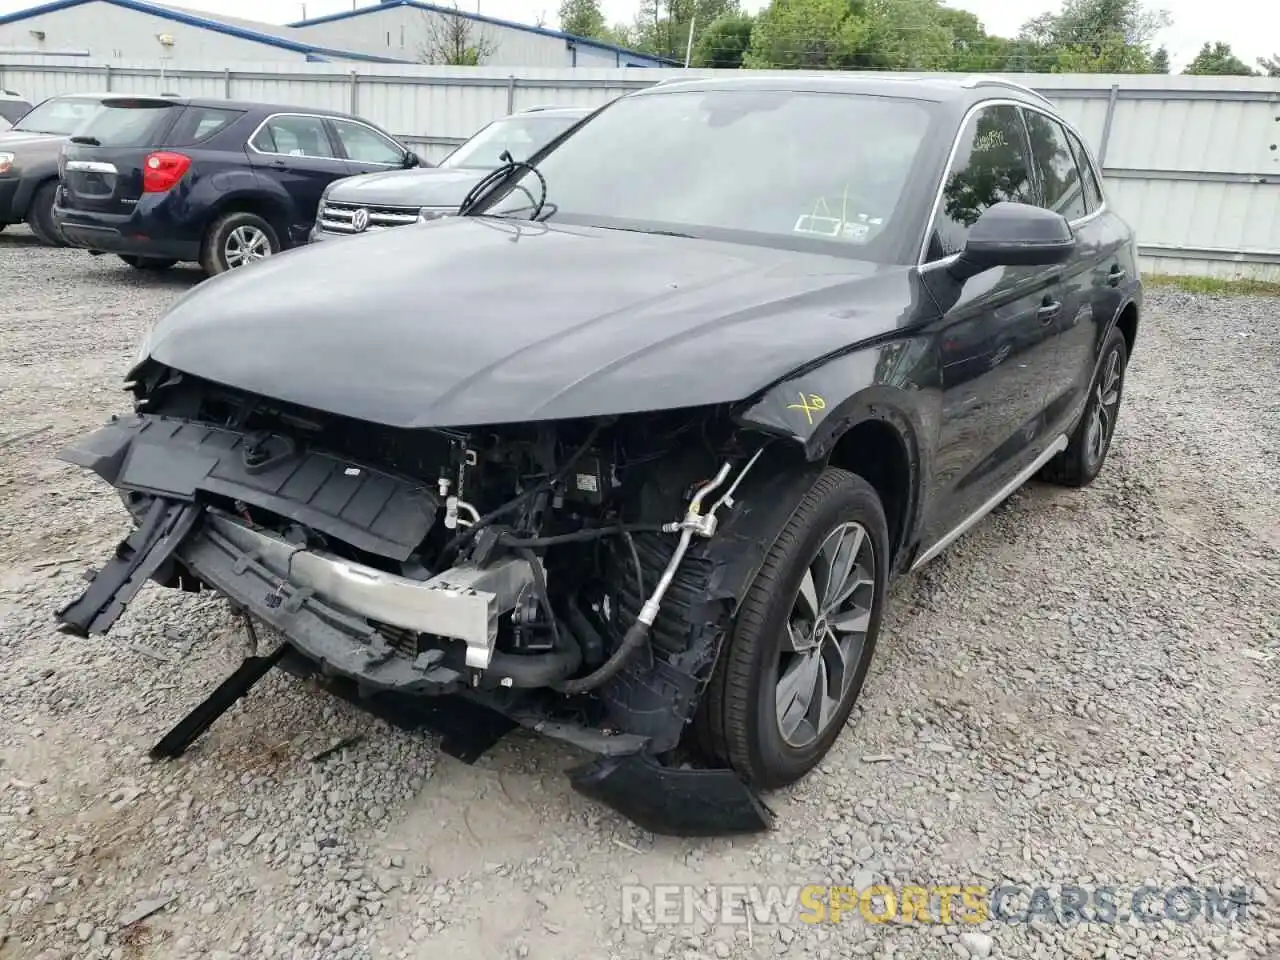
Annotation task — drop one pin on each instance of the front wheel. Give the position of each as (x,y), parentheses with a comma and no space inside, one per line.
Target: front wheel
(236,240)
(799,651)
(40,216)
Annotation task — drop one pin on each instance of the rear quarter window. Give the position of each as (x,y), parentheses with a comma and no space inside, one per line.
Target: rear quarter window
(130,123)
(198,124)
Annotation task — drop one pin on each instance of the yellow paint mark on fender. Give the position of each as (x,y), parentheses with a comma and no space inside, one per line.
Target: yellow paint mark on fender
(809,404)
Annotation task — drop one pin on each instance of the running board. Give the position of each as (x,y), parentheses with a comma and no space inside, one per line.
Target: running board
(1002,495)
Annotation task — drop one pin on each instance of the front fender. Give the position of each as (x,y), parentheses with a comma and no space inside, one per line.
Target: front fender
(891,382)
(32,178)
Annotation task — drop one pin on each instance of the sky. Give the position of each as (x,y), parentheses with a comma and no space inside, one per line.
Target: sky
(1252,27)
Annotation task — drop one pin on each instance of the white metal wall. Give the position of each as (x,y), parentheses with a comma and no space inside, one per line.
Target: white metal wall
(1192,162)
(116,34)
(399,32)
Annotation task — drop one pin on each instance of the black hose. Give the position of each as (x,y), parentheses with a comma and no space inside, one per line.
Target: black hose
(531,671)
(633,641)
(579,536)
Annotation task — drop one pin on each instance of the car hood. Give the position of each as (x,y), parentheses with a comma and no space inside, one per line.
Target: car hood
(21,138)
(469,321)
(423,187)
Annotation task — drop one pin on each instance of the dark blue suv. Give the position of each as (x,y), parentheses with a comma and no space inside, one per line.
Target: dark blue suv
(158,180)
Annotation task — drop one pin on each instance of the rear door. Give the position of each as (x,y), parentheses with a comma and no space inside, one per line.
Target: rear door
(298,152)
(102,166)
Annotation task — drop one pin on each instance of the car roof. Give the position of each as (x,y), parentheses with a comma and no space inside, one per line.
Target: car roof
(249,106)
(957,89)
(553,111)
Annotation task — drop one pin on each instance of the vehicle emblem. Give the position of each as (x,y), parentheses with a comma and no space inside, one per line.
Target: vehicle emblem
(360,220)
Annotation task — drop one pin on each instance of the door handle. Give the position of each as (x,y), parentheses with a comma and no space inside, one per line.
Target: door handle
(1116,274)
(1049,310)
(279,164)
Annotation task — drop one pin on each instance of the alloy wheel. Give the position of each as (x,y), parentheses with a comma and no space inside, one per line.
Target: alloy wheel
(1106,404)
(245,244)
(825,635)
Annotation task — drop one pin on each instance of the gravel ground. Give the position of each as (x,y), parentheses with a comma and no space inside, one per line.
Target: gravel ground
(1081,692)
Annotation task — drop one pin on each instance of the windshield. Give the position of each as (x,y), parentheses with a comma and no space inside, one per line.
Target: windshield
(61,115)
(805,171)
(523,136)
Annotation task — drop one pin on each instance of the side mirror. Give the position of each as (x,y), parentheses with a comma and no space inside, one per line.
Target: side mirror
(1014,235)
(411,160)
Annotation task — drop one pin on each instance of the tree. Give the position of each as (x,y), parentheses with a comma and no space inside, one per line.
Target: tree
(1217,60)
(662,27)
(582,18)
(1270,65)
(807,35)
(724,42)
(453,39)
(1095,36)
(1160,61)
(906,35)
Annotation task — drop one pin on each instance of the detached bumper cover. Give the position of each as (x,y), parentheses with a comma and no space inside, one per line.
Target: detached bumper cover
(173,458)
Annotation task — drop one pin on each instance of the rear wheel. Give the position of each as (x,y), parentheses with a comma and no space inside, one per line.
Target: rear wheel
(1080,464)
(40,216)
(236,240)
(147,263)
(804,637)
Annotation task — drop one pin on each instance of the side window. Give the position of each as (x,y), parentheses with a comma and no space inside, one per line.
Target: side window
(365,146)
(198,124)
(1055,166)
(991,165)
(294,137)
(1092,189)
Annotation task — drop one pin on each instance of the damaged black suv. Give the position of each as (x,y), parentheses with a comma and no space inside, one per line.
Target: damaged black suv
(628,451)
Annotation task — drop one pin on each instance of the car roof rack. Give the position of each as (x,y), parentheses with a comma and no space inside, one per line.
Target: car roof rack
(990,81)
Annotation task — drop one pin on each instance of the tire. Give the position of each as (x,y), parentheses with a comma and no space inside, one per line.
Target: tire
(737,721)
(1081,462)
(40,216)
(232,231)
(147,263)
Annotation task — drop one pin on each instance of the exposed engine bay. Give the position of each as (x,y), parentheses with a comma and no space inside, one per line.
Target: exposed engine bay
(556,572)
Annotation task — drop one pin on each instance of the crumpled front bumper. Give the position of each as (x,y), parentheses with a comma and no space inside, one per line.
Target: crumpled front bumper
(332,610)
(327,606)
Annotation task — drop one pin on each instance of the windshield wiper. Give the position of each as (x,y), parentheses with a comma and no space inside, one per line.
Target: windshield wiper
(491,182)
(87,141)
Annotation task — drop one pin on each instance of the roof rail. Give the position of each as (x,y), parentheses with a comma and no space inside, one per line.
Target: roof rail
(989,81)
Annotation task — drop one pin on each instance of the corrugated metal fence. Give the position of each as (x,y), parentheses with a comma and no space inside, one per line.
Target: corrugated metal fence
(1192,162)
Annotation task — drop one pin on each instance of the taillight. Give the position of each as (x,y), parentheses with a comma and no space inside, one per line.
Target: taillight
(161,171)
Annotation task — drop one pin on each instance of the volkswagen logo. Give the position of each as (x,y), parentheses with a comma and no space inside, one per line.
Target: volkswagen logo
(360,220)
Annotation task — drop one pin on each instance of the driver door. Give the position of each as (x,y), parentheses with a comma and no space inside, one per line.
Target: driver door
(296,151)
(365,149)
(998,338)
